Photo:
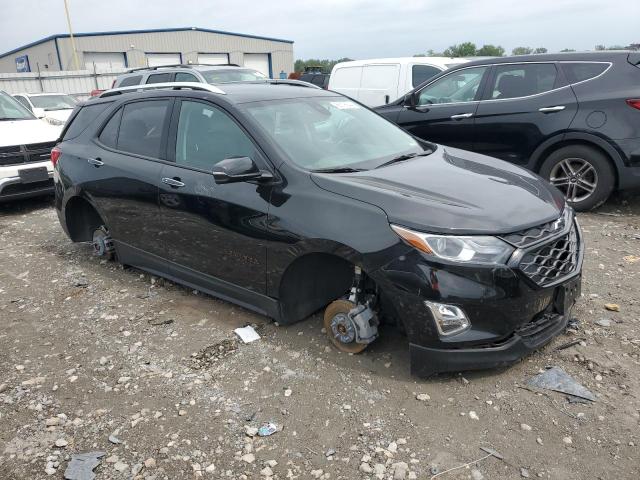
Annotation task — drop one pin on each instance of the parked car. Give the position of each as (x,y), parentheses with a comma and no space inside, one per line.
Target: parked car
(212,74)
(288,199)
(574,118)
(315,75)
(380,80)
(55,108)
(25,149)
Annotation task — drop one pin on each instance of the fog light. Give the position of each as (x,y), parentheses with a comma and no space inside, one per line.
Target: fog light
(449,318)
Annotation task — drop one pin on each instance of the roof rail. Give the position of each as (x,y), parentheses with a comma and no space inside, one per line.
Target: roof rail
(159,86)
(297,83)
(185,65)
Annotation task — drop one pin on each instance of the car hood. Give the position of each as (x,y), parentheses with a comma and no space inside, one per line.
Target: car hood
(24,132)
(452,191)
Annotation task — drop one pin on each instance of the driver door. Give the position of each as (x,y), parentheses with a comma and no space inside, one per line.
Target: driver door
(445,108)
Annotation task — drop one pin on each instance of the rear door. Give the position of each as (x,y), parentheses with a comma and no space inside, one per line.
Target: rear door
(214,233)
(524,104)
(445,108)
(125,169)
(379,84)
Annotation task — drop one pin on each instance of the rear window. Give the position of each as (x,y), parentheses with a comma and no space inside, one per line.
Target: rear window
(159,78)
(579,72)
(130,81)
(83,119)
(422,73)
(109,134)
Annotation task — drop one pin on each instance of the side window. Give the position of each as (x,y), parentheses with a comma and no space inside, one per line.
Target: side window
(512,81)
(185,77)
(130,81)
(159,78)
(459,86)
(23,101)
(85,116)
(422,73)
(142,127)
(579,72)
(206,135)
(109,134)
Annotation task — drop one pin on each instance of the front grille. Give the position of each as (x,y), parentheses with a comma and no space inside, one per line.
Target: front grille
(538,233)
(19,154)
(552,261)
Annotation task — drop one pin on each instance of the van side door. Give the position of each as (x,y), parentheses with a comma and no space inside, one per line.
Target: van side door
(379,84)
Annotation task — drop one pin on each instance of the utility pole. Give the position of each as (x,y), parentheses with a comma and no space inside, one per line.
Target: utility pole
(73,42)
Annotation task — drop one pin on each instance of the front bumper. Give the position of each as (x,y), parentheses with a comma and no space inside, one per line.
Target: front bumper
(510,314)
(14,187)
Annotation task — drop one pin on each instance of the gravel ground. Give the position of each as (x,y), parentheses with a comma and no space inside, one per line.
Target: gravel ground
(94,357)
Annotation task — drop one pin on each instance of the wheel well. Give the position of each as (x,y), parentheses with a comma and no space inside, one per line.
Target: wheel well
(82,219)
(571,142)
(311,282)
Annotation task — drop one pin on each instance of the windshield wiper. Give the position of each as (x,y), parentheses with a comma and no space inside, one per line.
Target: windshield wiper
(9,119)
(406,156)
(338,170)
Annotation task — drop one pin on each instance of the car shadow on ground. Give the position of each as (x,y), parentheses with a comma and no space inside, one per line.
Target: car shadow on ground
(28,205)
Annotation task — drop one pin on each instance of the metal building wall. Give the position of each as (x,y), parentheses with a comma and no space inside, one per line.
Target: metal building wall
(41,54)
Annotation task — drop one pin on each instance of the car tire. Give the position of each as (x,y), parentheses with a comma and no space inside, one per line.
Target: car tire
(583,174)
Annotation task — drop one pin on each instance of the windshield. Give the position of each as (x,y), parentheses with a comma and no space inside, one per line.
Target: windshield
(232,75)
(53,102)
(11,109)
(320,133)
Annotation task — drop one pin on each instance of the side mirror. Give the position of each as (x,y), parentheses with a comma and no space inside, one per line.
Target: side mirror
(237,169)
(39,112)
(410,99)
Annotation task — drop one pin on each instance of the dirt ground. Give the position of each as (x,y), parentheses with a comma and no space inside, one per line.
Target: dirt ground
(94,357)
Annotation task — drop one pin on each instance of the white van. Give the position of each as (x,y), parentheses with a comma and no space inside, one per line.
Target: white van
(380,80)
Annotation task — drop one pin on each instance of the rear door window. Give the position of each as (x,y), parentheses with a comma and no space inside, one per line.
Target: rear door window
(422,73)
(581,71)
(513,81)
(130,81)
(142,127)
(160,78)
(84,118)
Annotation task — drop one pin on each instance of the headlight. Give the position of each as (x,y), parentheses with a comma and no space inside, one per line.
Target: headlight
(464,249)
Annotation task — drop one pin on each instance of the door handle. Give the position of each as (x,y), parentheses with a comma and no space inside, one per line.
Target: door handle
(96,162)
(173,182)
(557,108)
(461,116)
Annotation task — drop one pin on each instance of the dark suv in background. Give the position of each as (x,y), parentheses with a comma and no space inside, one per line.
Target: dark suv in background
(573,118)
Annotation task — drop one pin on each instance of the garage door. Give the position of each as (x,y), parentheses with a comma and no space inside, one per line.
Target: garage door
(160,59)
(213,58)
(257,61)
(104,61)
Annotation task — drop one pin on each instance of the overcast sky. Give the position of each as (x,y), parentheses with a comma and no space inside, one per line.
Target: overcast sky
(346,28)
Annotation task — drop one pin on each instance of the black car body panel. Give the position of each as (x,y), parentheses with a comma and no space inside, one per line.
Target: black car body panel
(287,246)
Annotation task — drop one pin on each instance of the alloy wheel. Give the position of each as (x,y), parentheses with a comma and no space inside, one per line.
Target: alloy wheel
(576,178)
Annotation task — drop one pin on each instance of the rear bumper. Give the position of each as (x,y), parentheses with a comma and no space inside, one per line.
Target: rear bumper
(12,188)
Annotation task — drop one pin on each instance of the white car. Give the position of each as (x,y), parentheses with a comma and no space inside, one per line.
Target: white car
(25,151)
(54,108)
(378,81)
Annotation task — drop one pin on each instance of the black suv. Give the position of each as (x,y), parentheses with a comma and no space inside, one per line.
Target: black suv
(288,199)
(573,118)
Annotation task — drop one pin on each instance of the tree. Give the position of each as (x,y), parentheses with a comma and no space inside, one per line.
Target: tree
(567,50)
(466,49)
(326,65)
(600,48)
(521,51)
(540,50)
(490,51)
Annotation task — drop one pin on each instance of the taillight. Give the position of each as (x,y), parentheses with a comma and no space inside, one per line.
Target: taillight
(55,155)
(95,93)
(634,102)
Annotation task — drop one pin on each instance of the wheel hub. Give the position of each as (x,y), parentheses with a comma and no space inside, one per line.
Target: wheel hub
(576,178)
(342,328)
(102,243)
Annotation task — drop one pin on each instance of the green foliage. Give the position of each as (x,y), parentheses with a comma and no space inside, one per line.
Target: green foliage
(490,51)
(540,50)
(521,51)
(567,50)
(327,65)
(466,49)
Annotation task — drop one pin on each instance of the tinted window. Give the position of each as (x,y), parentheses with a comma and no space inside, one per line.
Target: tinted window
(83,119)
(159,78)
(109,134)
(142,126)
(422,73)
(459,86)
(578,72)
(185,77)
(207,135)
(513,81)
(130,81)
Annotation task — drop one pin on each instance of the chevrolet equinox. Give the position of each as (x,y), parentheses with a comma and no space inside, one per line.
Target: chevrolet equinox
(288,199)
